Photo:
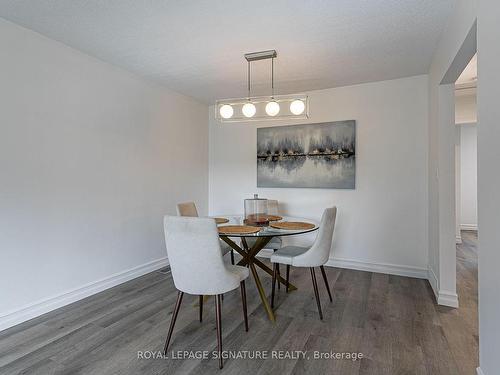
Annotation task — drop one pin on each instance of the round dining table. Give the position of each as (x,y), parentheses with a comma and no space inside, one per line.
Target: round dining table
(261,238)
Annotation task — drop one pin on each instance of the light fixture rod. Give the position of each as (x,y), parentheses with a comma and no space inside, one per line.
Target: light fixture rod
(272,76)
(248,80)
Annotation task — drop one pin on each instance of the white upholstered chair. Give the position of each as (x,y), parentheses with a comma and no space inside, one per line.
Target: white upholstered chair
(200,272)
(315,256)
(189,209)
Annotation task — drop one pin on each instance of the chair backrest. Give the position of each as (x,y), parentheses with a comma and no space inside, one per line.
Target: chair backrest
(272,207)
(187,209)
(195,256)
(319,252)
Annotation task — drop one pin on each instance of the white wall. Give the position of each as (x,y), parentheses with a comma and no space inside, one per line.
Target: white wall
(466,172)
(91,158)
(458,194)
(382,223)
(488,136)
(465,107)
(468,176)
(446,63)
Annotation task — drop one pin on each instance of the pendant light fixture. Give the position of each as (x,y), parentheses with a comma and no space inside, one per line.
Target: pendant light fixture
(274,107)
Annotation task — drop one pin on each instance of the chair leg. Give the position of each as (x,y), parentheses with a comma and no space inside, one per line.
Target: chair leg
(232,256)
(201,308)
(244,301)
(275,272)
(218,322)
(326,282)
(172,322)
(287,276)
(316,293)
(278,274)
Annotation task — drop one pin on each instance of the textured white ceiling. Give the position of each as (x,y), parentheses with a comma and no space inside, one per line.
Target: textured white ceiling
(197,47)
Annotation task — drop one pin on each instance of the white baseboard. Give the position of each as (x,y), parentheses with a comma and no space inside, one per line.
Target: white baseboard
(443,297)
(446,298)
(38,308)
(479,371)
(391,269)
(468,227)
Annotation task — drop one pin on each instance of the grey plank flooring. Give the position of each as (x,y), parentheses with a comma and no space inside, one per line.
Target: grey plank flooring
(393,321)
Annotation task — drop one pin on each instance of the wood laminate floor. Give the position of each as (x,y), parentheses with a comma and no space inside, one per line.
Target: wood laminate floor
(393,321)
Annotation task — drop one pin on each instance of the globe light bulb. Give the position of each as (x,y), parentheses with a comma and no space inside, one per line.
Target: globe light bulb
(248,110)
(297,107)
(226,111)
(272,108)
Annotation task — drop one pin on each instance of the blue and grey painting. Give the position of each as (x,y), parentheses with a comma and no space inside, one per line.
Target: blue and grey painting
(307,156)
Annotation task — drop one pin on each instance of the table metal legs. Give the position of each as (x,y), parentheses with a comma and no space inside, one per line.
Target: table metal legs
(262,293)
(279,278)
(250,260)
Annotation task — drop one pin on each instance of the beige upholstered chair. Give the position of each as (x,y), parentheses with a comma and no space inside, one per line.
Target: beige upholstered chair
(315,256)
(184,237)
(189,209)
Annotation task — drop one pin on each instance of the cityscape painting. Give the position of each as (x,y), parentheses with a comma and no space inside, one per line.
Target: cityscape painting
(319,155)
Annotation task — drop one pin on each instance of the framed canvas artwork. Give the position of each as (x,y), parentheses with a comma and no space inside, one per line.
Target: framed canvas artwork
(319,155)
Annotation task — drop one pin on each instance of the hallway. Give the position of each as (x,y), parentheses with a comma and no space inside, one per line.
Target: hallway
(460,326)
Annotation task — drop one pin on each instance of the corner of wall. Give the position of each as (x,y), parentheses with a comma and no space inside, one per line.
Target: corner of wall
(433,280)
(446,298)
(443,297)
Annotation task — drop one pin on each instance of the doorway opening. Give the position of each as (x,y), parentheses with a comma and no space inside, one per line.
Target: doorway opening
(466,149)
(466,201)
